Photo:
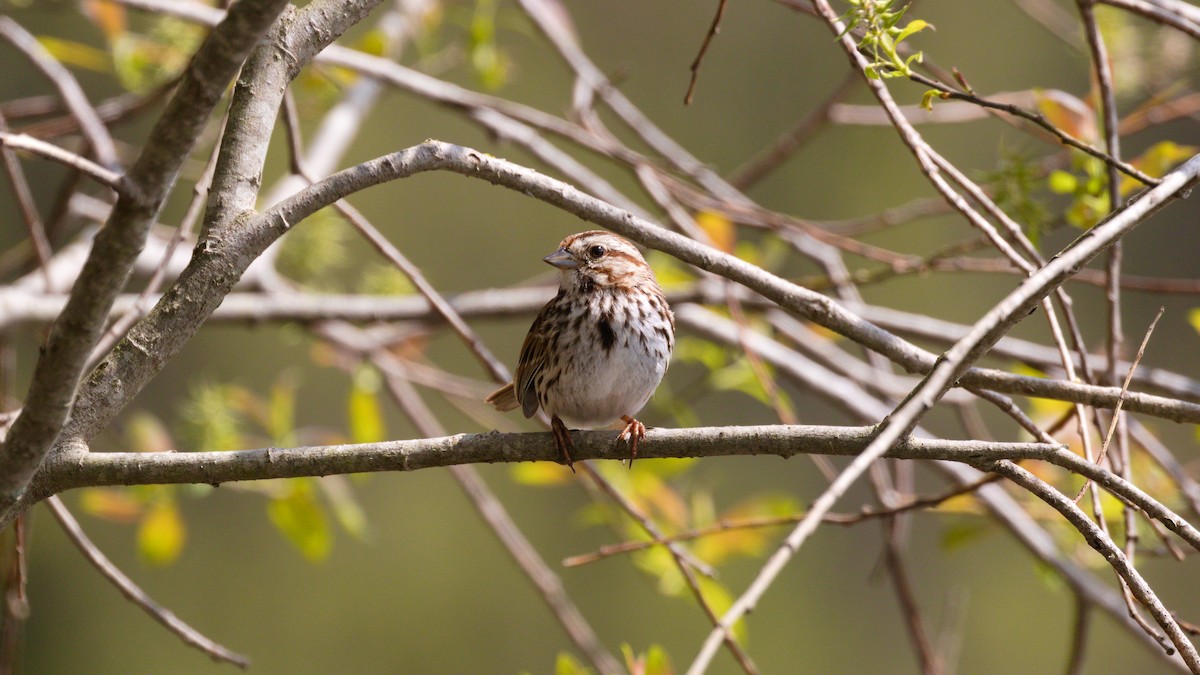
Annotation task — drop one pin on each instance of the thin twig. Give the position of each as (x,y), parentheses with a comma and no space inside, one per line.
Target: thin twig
(1112,427)
(727,525)
(25,202)
(713,29)
(50,151)
(68,87)
(1079,636)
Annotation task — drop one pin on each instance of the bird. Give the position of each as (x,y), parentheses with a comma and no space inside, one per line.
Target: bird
(597,351)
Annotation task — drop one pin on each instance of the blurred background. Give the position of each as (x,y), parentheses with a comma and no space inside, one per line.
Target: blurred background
(393,573)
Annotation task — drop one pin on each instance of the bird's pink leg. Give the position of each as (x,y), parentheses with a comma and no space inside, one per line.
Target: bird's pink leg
(634,431)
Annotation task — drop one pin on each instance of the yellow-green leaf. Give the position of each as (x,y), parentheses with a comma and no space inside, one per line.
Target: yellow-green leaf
(1155,162)
(161,536)
(363,411)
(718,228)
(541,474)
(915,26)
(566,664)
(299,517)
(1062,182)
(282,411)
(73,53)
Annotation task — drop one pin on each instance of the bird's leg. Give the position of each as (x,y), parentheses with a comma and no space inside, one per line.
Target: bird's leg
(634,431)
(562,438)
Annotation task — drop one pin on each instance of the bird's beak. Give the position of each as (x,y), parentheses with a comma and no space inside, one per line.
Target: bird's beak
(562,259)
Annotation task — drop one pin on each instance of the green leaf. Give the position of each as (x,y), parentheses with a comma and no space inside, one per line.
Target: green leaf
(161,535)
(1194,319)
(363,410)
(299,517)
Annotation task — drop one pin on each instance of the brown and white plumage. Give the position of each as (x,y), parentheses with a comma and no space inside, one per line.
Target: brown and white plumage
(598,350)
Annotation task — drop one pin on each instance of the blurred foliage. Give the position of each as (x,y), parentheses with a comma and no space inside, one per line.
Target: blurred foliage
(1017,182)
(1087,182)
(314,253)
(224,417)
(151,52)
(384,279)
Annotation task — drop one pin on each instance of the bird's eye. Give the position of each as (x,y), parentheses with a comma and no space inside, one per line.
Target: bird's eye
(596,252)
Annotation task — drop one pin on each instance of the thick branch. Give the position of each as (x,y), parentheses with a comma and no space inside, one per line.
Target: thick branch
(68,470)
(72,337)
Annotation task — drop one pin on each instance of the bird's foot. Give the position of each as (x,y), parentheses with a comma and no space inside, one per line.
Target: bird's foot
(562,439)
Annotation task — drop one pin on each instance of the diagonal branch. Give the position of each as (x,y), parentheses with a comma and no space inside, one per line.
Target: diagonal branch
(134,593)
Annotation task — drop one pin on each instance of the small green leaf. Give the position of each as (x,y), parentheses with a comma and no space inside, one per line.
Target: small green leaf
(1194,319)
(927,99)
(299,517)
(161,535)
